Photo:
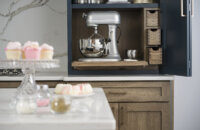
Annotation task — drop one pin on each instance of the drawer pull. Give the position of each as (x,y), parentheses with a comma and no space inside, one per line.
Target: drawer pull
(192,2)
(182,9)
(117,93)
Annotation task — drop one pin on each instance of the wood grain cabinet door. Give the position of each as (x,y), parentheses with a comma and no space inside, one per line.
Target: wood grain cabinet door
(144,116)
(115,110)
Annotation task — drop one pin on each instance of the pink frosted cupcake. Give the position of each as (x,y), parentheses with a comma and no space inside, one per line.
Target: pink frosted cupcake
(13,51)
(31,51)
(46,52)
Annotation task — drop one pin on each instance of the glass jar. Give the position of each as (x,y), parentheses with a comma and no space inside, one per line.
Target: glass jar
(27,88)
(60,103)
(26,104)
(43,96)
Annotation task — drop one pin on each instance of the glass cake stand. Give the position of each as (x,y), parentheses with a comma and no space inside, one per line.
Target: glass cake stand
(29,67)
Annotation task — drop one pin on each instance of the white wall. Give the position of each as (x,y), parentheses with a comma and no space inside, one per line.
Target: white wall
(43,24)
(187,90)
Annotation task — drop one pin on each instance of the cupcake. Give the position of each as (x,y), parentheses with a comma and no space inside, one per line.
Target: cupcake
(31,51)
(13,51)
(46,52)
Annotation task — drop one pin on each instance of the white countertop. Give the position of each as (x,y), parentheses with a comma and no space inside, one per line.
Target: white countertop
(99,117)
(64,77)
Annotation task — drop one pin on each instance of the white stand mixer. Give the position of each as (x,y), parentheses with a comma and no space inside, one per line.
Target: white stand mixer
(112,19)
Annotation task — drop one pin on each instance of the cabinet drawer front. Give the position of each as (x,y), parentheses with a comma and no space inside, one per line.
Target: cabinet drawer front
(152,18)
(153,37)
(137,94)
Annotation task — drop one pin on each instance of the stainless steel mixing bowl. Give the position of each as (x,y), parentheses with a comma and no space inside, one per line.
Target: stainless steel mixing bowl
(93,48)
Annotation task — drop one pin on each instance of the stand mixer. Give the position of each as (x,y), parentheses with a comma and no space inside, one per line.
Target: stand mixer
(101,49)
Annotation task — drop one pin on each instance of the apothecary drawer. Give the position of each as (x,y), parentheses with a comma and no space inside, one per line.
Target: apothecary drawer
(155,56)
(153,37)
(152,17)
(137,94)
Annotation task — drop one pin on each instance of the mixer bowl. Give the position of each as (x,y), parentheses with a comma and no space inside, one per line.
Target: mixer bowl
(92,48)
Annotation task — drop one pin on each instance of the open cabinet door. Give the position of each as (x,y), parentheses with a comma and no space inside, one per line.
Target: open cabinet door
(176,37)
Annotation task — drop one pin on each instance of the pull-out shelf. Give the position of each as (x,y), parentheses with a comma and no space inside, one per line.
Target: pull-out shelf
(107,65)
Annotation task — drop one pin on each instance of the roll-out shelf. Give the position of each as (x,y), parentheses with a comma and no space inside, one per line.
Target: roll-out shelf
(117,6)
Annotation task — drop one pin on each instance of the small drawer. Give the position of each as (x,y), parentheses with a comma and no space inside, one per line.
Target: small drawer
(155,56)
(152,18)
(153,37)
(137,94)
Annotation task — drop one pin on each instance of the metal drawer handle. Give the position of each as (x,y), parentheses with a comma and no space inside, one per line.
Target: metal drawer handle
(117,93)
(192,2)
(182,10)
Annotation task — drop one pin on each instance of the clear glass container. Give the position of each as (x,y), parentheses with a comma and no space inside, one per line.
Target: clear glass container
(24,100)
(60,104)
(26,104)
(43,96)
(26,90)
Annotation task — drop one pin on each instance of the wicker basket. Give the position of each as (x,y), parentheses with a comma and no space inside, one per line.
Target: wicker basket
(155,56)
(153,37)
(152,18)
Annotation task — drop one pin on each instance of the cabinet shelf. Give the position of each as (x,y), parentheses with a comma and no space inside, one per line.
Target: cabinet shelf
(117,6)
(120,64)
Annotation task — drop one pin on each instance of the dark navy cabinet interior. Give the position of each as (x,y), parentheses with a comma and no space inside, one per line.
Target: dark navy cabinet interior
(174,25)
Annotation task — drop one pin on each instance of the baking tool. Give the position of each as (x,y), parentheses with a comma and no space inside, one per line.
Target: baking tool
(112,20)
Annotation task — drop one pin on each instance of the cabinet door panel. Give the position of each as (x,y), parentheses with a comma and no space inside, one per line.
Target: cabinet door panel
(176,37)
(144,116)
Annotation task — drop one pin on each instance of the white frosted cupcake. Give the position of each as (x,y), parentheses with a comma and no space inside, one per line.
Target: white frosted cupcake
(47,52)
(13,51)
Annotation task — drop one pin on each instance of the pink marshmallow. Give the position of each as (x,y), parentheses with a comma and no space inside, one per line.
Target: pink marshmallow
(42,102)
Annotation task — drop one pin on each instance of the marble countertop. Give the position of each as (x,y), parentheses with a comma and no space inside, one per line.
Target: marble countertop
(64,77)
(98,116)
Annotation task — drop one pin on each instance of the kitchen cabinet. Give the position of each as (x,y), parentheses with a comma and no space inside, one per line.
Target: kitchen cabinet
(144,116)
(174,25)
(141,105)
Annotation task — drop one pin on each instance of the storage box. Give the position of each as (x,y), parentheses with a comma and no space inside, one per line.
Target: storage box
(153,18)
(155,56)
(153,37)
